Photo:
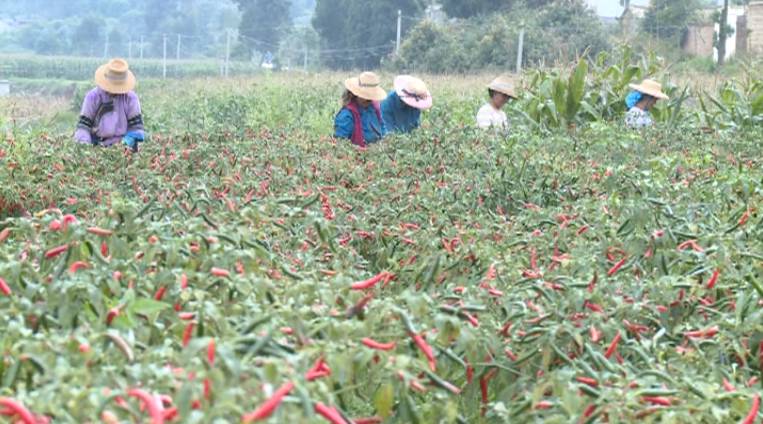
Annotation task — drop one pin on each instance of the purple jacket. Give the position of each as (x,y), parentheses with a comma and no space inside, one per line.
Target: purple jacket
(106,118)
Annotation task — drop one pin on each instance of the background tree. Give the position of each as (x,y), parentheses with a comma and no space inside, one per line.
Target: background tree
(669,19)
(263,24)
(87,34)
(83,25)
(558,32)
(471,8)
(364,30)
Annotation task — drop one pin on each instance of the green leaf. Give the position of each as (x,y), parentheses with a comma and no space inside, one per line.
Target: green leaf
(384,399)
(576,90)
(144,306)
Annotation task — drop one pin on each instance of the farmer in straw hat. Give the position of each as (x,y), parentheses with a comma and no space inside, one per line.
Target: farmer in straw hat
(111,111)
(401,110)
(491,115)
(643,97)
(360,119)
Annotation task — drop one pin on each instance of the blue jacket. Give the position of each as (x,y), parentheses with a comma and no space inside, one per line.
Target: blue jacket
(373,130)
(398,116)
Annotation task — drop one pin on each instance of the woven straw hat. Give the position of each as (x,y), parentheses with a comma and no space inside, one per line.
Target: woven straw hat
(413,92)
(366,86)
(115,77)
(651,88)
(503,85)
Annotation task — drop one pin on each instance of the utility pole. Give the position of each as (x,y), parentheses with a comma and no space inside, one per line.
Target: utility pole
(164,58)
(141,47)
(722,34)
(520,49)
(399,30)
(177,56)
(227,54)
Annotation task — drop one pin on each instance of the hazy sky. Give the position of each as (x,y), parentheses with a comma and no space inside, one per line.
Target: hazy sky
(612,7)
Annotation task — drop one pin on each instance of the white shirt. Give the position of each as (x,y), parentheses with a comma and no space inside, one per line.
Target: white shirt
(637,118)
(488,116)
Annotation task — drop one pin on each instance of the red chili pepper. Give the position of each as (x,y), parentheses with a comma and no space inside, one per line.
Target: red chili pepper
(207,389)
(358,307)
(582,230)
(714,279)
(52,253)
(484,380)
(69,219)
(691,244)
(55,225)
(744,218)
(5,234)
(171,413)
(100,232)
(373,344)
(426,349)
(760,354)
(528,273)
(319,370)
(151,403)
(187,333)
(511,355)
(595,334)
(504,331)
(728,386)
(592,284)
(587,381)
(269,406)
(368,420)
(113,313)
(472,319)
(702,334)
(160,293)
(76,266)
(330,414)
(219,272)
(594,307)
(612,271)
(104,249)
(657,400)
(15,408)
(469,373)
(753,414)
(211,349)
(589,411)
(491,274)
(533,259)
(183,281)
(367,284)
(5,288)
(543,405)
(613,346)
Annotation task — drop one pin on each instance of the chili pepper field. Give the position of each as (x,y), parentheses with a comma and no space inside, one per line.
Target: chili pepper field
(245,267)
